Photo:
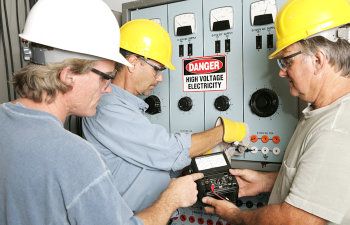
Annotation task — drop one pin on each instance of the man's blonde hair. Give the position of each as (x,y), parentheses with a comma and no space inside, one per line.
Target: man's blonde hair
(37,81)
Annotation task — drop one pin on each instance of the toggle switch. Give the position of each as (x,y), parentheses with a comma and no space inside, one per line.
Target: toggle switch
(258,42)
(189,50)
(217,46)
(270,41)
(227,45)
(181,50)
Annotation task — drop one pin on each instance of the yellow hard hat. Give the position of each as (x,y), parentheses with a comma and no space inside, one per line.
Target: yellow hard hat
(300,19)
(147,38)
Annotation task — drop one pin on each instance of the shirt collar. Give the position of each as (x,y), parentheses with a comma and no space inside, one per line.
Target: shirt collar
(132,99)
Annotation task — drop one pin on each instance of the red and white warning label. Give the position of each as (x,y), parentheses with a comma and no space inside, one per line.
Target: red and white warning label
(205,74)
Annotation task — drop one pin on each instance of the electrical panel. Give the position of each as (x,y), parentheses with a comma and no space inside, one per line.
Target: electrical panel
(220,51)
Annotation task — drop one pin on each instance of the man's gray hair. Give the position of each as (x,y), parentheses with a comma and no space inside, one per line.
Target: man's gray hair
(337,53)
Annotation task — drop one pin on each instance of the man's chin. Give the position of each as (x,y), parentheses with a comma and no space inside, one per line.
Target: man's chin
(147,93)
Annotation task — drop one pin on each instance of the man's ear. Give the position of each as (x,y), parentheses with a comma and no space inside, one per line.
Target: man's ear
(66,76)
(132,60)
(320,61)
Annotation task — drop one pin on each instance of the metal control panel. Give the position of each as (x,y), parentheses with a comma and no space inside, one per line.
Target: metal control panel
(220,51)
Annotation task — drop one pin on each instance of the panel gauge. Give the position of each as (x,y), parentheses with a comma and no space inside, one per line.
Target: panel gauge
(221,18)
(263,12)
(185,24)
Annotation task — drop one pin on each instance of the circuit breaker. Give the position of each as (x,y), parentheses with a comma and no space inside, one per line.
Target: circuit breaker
(220,51)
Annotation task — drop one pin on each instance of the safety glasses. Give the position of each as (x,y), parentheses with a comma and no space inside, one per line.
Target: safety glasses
(285,62)
(156,68)
(106,76)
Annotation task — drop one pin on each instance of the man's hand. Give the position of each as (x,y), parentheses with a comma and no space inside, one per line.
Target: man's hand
(183,190)
(224,209)
(252,182)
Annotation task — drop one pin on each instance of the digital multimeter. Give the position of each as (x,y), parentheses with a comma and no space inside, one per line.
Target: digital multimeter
(217,182)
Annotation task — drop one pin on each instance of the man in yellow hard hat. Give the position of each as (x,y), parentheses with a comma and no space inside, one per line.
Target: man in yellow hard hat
(141,154)
(312,186)
(47,174)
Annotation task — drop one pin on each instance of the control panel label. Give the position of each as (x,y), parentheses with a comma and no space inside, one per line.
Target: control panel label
(205,74)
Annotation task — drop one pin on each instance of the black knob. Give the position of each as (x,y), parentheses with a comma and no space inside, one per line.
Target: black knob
(153,105)
(222,103)
(259,204)
(249,204)
(185,104)
(239,202)
(264,102)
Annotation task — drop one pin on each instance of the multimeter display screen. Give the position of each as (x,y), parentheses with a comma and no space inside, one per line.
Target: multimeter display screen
(209,162)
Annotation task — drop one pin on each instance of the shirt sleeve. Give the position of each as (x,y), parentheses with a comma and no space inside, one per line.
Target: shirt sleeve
(321,183)
(129,134)
(101,203)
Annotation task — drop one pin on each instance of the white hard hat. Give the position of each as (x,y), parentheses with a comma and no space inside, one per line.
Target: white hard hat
(85,27)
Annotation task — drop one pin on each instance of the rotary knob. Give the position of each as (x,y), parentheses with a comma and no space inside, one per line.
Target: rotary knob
(153,105)
(185,104)
(264,102)
(222,103)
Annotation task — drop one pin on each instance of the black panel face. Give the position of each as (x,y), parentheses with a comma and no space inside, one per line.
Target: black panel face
(221,25)
(185,30)
(263,19)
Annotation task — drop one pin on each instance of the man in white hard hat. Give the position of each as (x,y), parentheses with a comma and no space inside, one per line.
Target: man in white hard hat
(312,186)
(47,174)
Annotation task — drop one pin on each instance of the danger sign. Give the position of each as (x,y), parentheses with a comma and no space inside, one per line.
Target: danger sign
(204,74)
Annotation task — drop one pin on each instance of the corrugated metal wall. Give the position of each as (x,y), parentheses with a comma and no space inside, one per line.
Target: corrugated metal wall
(12,17)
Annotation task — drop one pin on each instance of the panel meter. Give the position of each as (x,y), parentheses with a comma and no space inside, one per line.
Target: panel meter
(263,12)
(221,18)
(157,20)
(185,24)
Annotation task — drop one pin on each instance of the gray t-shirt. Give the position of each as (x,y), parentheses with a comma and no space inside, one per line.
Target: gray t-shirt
(51,176)
(315,173)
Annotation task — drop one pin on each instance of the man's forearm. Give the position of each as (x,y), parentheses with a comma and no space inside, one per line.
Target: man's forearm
(206,140)
(276,215)
(158,213)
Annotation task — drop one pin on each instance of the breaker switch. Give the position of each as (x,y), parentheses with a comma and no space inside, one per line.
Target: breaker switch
(181,50)
(222,103)
(264,102)
(217,46)
(270,41)
(189,50)
(185,104)
(258,42)
(153,104)
(227,45)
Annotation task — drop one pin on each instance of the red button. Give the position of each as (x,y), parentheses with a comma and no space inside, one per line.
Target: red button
(191,219)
